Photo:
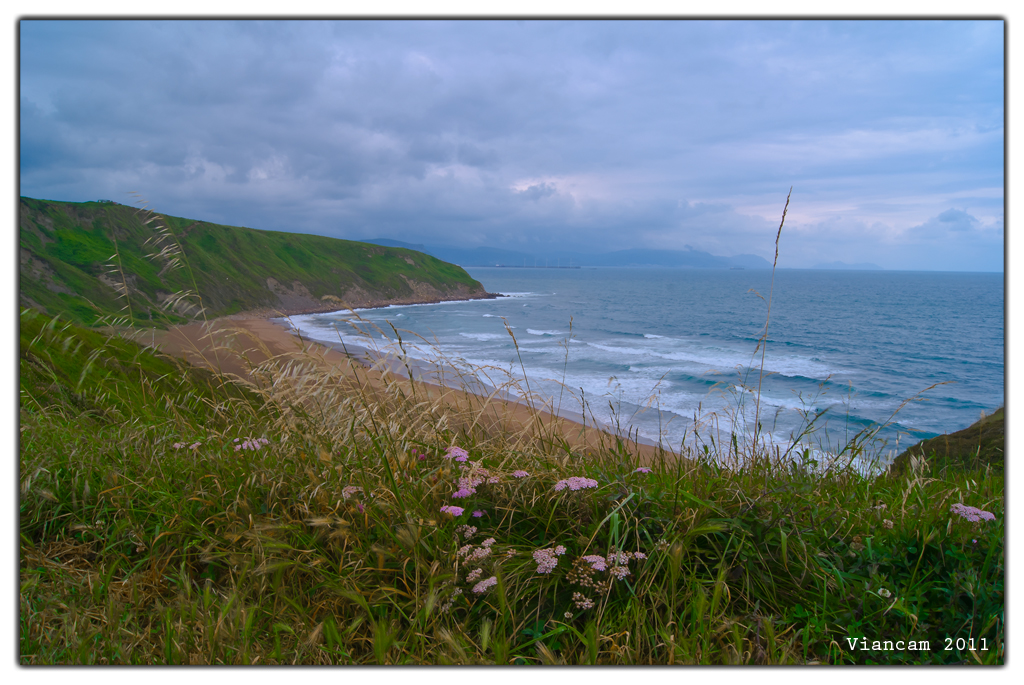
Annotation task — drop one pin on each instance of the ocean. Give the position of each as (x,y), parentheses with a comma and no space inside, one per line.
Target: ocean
(901,356)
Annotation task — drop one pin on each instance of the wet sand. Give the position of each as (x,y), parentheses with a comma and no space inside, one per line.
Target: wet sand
(238,344)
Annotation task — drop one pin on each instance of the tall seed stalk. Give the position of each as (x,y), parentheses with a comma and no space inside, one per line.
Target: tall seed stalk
(764,336)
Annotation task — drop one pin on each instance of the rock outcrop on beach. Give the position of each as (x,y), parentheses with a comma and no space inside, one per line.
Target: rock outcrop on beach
(980,444)
(67,268)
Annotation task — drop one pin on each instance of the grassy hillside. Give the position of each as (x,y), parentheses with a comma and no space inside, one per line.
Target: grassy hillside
(979,445)
(170,516)
(66,267)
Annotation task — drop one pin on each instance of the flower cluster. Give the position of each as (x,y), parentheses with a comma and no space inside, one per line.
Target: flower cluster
(485,585)
(576,483)
(448,604)
(251,443)
(479,513)
(454,511)
(473,575)
(466,531)
(193,446)
(972,513)
(642,469)
(468,481)
(616,564)
(456,453)
(349,491)
(547,558)
(581,601)
(520,474)
(478,553)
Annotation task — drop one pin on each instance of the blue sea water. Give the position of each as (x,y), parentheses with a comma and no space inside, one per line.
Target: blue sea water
(656,349)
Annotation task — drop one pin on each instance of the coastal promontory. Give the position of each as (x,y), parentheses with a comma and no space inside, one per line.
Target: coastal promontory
(80,259)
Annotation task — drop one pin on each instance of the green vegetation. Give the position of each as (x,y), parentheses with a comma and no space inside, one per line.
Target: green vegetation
(67,268)
(974,447)
(170,516)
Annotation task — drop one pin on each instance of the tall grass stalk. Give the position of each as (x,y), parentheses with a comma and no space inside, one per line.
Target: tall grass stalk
(763,343)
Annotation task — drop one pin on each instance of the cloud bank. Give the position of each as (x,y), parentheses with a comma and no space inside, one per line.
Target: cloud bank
(539,135)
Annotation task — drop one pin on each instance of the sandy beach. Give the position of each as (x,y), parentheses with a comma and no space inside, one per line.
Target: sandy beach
(238,344)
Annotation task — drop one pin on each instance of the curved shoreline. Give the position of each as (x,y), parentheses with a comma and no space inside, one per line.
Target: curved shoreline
(237,344)
(328,307)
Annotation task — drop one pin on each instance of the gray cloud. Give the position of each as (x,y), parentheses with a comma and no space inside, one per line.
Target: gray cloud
(551,134)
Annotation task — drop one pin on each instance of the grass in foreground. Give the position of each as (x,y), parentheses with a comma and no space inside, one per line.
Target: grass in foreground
(170,516)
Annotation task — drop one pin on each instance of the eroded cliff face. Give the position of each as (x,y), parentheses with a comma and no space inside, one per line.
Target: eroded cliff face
(297,299)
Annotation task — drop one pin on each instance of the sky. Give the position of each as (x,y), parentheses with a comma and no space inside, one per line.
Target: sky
(538,135)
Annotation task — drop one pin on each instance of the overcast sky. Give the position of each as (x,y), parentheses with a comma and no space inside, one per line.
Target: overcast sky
(538,135)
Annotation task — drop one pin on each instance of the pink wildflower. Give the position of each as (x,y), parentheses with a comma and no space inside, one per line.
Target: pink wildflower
(473,575)
(454,511)
(520,474)
(251,443)
(596,562)
(456,453)
(576,483)
(547,558)
(462,492)
(620,572)
(479,553)
(582,601)
(485,585)
(972,513)
(618,558)
(642,469)
(478,513)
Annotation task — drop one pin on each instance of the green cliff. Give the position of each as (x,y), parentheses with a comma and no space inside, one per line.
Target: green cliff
(66,267)
(980,444)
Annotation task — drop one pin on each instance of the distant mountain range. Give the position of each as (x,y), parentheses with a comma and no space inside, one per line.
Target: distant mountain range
(493,256)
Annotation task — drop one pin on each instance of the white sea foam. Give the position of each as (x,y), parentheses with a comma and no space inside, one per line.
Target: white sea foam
(722,359)
(680,352)
(484,336)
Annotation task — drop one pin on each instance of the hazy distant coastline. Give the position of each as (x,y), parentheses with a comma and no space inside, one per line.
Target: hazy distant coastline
(860,266)
(494,256)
